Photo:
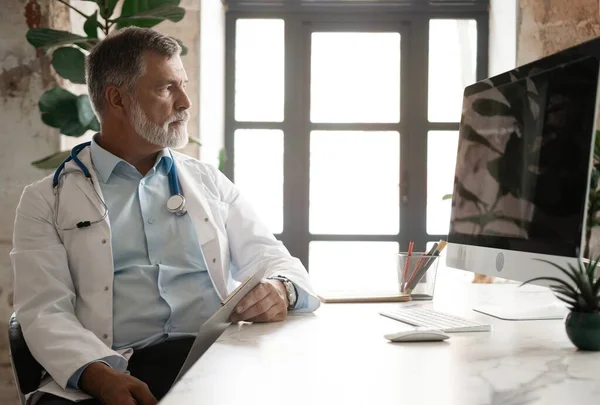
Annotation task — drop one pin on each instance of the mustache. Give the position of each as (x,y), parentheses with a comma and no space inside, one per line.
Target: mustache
(179,116)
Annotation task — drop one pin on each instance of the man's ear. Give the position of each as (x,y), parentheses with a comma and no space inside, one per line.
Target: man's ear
(116,100)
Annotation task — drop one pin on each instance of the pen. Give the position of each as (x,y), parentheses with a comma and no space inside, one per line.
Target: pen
(416,277)
(406,265)
(422,259)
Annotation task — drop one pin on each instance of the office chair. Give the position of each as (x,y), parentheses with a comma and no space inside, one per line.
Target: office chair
(26,370)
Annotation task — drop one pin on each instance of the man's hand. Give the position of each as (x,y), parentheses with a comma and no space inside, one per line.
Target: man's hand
(112,387)
(267,302)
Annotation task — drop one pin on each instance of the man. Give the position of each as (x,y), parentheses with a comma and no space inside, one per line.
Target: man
(102,266)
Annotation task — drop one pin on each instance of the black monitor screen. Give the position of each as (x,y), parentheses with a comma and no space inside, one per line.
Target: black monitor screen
(523,160)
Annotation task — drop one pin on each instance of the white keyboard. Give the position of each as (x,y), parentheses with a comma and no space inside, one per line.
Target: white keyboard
(427,318)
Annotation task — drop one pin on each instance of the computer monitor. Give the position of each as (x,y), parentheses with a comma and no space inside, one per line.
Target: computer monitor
(522,175)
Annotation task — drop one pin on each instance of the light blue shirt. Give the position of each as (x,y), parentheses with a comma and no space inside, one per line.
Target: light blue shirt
(161,288)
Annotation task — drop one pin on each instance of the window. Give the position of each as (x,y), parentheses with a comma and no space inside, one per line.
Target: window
(343,121)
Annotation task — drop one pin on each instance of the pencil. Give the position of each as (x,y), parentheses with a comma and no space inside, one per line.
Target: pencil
(416,277)
(422,258)
(406,265)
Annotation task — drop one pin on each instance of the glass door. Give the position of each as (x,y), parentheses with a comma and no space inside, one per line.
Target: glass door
(356,131)
(341,131)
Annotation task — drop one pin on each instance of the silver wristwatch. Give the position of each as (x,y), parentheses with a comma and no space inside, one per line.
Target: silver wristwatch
(290,288)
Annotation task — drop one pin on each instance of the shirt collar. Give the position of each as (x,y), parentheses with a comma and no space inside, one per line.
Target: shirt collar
(105,162)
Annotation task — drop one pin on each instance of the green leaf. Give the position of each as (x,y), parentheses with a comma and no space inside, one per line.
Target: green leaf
(195,140)
(59,108)
(562,290)
(592,270)
(597,287)
(184,49)
(107,7)
(447,197)
(573,304)
(84,110)
(51,120)
(583,282)
(222,159)
(91,25)
(73,128)
(570,275)
(45,38)
(131,7)
(94,124)
(152,17)
(52,161)
(69,62)
(58,100)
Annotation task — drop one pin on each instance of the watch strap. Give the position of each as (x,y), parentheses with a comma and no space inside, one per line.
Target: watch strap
(292,291)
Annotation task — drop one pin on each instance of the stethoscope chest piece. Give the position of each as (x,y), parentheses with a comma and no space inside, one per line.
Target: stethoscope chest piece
(176,204)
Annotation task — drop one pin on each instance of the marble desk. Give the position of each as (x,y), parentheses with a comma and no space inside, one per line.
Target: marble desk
(338,355)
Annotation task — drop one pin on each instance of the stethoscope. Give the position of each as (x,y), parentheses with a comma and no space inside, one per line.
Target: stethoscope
(175,203)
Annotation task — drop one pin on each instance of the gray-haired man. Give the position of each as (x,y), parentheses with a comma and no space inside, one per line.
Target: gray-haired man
(83,302)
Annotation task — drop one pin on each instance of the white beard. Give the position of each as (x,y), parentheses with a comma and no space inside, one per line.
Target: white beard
(167,136)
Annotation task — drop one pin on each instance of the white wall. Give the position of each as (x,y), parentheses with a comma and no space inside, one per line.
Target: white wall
(503,36)
(212,79)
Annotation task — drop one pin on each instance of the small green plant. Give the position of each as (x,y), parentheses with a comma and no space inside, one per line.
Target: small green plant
(580,290)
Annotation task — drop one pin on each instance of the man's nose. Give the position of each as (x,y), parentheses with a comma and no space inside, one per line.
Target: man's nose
(183,102)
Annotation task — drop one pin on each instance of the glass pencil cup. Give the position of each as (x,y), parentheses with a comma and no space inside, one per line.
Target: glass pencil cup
(416,274)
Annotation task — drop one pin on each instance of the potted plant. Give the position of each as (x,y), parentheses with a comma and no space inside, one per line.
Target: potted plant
(580,290)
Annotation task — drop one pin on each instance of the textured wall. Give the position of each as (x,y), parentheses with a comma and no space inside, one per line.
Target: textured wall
(548,26)
(24,76)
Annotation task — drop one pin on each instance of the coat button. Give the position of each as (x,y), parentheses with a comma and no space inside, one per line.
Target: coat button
(103,241)
(106,288)
(214,260)
(105,336)
(205,219)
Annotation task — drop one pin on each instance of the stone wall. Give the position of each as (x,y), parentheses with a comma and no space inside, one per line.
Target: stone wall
(24,76)
(548,26)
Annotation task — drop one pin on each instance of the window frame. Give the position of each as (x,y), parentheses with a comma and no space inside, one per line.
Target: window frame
(376,15)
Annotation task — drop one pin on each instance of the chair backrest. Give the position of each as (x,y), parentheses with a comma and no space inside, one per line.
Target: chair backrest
(27,371)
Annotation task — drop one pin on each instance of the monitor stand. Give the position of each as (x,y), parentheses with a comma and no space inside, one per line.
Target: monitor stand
(536,313)
(522,305)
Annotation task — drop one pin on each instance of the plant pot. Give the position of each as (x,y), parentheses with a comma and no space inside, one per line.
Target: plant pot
(583,329)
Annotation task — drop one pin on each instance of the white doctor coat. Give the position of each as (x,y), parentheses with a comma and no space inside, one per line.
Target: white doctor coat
(63,280)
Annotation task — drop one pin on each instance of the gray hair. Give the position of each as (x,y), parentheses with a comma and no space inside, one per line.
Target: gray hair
(117,60)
